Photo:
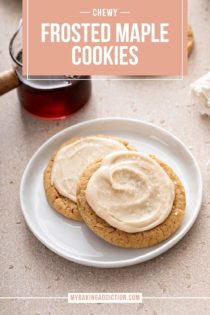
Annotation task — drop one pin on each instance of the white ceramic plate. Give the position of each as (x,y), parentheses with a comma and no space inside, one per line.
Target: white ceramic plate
(75,241)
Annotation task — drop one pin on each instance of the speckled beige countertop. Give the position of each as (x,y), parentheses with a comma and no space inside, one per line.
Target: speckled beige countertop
(27,268)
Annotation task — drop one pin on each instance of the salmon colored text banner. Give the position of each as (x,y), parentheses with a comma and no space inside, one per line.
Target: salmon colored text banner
(109,37)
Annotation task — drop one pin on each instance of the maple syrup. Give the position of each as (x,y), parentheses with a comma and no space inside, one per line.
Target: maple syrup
(53,97)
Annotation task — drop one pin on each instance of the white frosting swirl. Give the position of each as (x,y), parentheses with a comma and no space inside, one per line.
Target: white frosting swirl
(72,159)
(131,192)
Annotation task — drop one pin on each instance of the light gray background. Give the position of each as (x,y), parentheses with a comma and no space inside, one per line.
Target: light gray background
(28,268)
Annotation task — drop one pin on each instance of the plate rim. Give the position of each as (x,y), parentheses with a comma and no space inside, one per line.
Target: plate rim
(125,262)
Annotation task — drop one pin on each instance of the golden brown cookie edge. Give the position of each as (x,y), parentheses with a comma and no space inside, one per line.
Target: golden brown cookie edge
(190,40)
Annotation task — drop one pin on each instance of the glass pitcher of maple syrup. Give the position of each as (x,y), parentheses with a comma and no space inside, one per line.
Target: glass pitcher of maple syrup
(50,97)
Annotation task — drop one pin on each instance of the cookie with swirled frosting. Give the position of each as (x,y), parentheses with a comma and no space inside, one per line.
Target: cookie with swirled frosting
(67,164)
(131,200)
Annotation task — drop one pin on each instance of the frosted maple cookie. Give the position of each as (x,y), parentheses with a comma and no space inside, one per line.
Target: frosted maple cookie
(67,164)
(190,40)
(131,200)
